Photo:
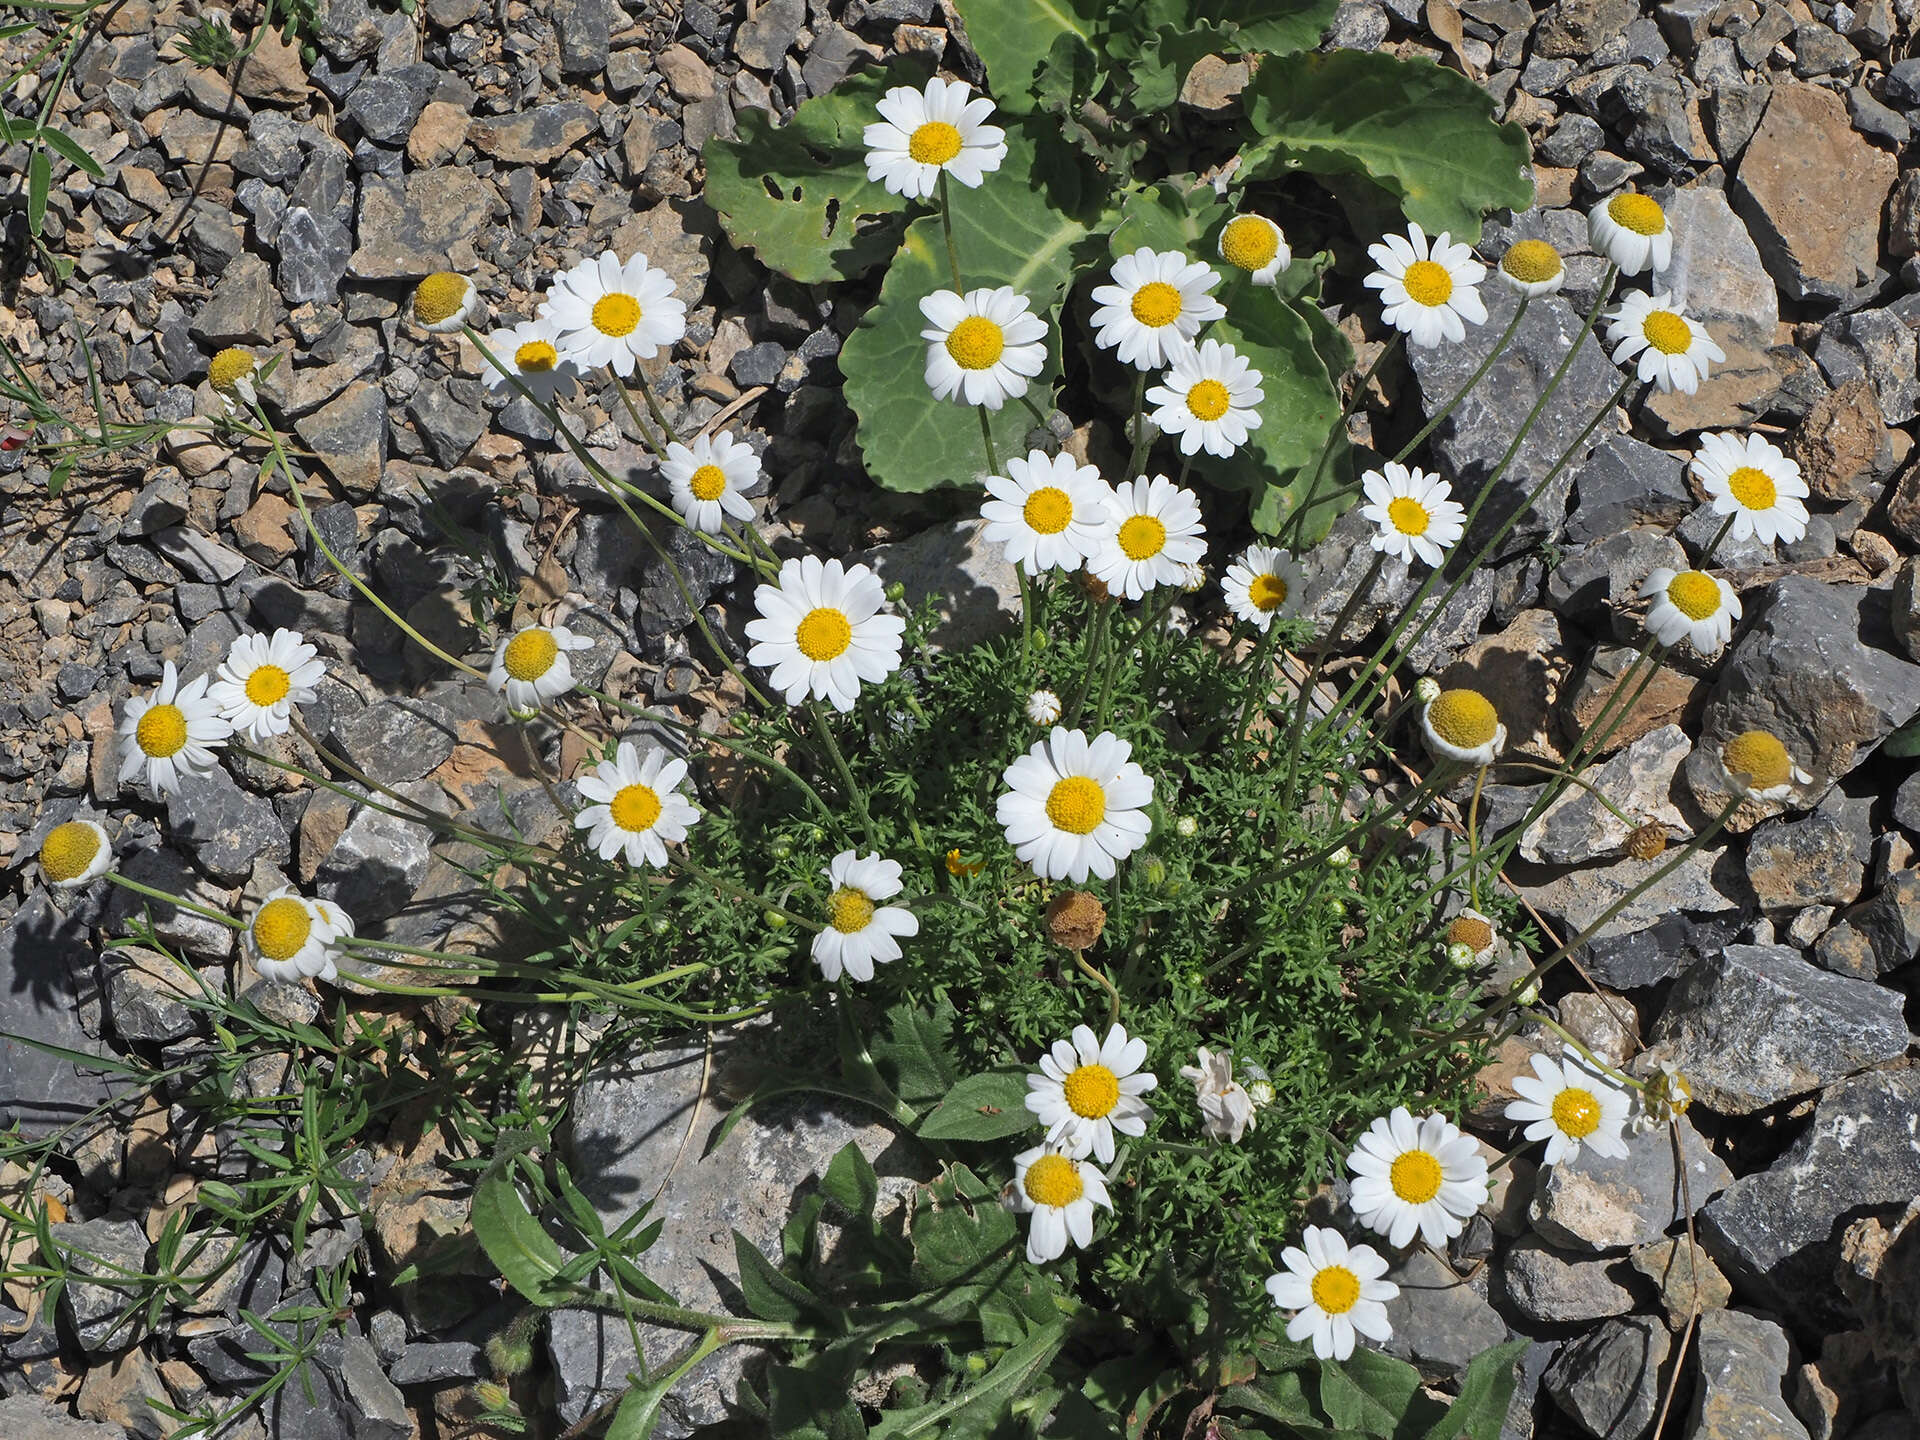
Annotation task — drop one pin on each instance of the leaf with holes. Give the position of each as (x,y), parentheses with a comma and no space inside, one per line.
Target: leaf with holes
(798,196)
(1424,135)
(1013,37)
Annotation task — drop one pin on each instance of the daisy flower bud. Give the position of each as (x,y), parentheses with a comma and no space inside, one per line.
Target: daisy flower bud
(1532,267)
(1340,859)
(1043,707)
(1256,245)
(1461,955)
(1186,827)
(1758,763)
(1527,993)
(1426,690)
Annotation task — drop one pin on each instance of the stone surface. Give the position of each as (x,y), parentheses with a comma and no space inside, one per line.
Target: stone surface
(1639,781)
(406,230)
(1608,1382)
(1818,859)
(1598,1203)
(349,434)
(1811,190)
(1708,882)
(223,827)
(1669,697)
(1686,1276)
(397,740)
(105,1248)
(1777,1233)
(533,137)
(1627,483)
(1878,936)
(244,308)
(1439,1323)
(146,995)
(1842,441)
(46,969)
(380,860)
(1757,1024)
(1741,1364)
(1543,1288)
(28,1417)
(978,591)
(1878,346)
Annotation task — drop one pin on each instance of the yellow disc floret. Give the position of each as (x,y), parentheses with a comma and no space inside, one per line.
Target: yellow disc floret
(1694,594)
(1077,805)
(1667,332)
(162,731)
(1048,510)
(530,654)
(1208,400)
(823,634)
(1156,304)
(536,357)
(934,143)
(68,850)
(1427,283)
(1092,1091)
(268,685)
(1249,243)
(616,314)
(1415,1177)
(635,807)
(439,297)
(1471,931)
(1760,757)
(1142,537)
(709,482)
(1752,487)
(1465,719)
(1639,213)
(281,927)
(228,368)
(849,910)
(1576,1112)
(1531,261)
(1408,515)
(1054,1180)
(976,343)
(1336,1289)
(1267,592)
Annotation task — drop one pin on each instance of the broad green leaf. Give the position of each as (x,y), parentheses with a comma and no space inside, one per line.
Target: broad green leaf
(1169,216)
(769,1294)
(1281,1397)
(978,1409)
(520,1250)
(914,1057)
(981,1107)
(1274,27)
(798,196)
(850,1182)
(1480,1410)
(1012,38)
(1374,1394)
(1423,134)
(811,1402)
(962,1234)
(70,149)
(1019,230)
(39,178)
(1163,62)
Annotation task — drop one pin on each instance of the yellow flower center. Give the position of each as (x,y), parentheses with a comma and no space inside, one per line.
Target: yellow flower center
(1335,1289)
(1471,931)
(709,482)
(958,865)
(1267,592)
(1427,283)
(635,807)
(934,143)
(1048,510)
(1638,213)
(1408,515)
(281,927)
(1208,400)
(1760,757)
(1142,537)
(1054,1180)
(1092,1091)
(439,296)
(68,850)
(1576,1112)
(616,315)
(1415,1177)
(823,634)
(268,685)
(1531,261)
(1694,594)
(849,910)
(1156,304)
(1249,242)
(162,731)
(530,654)
(1076,805)
(1667,332)
(536,357)
(976,343)
(1752,487)
(1464,719)
(228,367)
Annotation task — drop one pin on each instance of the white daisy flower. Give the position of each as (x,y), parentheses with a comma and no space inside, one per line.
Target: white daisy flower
(1690,605)
(1088,1088)
(1336,1290)
(289,938)
(1568,1103)
(171,733)
(1153,533)
(1749,478)
(982,347)
(1413,513)
(1631,230)
(1674,351)
(1462,725)
(1226,1109)
(1532,267)
(529,352)
(1759,764)
(231,373)
(75,853)
(709,479)
(531,665)
(335,917)
(1074,806)
(1048,512)
(1255,244)
(1209,398)
(1264,584)
(820,631)
(443,302)
(859,932)
(603,312)
(1428,289)
(921,133)
(1060,1193)
(637,806)
(1416,1176)
(1157,299)
(262,679)
(1043,707)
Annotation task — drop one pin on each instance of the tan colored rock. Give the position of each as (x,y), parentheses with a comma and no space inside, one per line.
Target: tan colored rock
(272,73)
(1523,669)
(438,132)
(1686,1276)
(1840,442)
(265,532)
(1667,699)
(687,75)
(1214,84)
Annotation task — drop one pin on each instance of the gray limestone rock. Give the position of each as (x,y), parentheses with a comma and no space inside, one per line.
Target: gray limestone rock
(1663,950)
(1757,1024)
(585,29)
(534,137)
(1879,935)
(144,995)
(1608,1382)
(1627,483)
(1543,1288)
(405,230)
(978,591)
(380,860)
(46,965)
(315,250)
(28,1417)
(349,434)
(244,308)
(1741,1363)
(1879,346)
(1598,1203)
(704,573)
(1708,882)
(1817,859)
(225,828)
(1777,1233)
(1439,1322)
(763,41)
(101,1248)
(1639,780)
(1596,583)
(449,423)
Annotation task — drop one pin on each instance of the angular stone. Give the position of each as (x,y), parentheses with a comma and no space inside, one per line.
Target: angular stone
(1811,666)
(1545,1289)
(449,426)
(315,251)
(271,70)
(1742,1363)
(703,572)
(1639,781)
(533,137)
(46,962)
(673,237)
(585,28)
(1842,444)
(1811,189)
(1600,1203)
(978,591)
(1708,882)
(406,232)
(28,1417)
(225,828)
(380,860)
(1818,859)
(1687,1278)
(1879,935)
(105,1248)
(1878,346)
(764,40)
(1627,483)
(1667,698)
(1577,28)
(1608,1382)
(146,995)
(243,309)
(205,559)
(349,434)
(1476,434)
(1526,666)
(393,741)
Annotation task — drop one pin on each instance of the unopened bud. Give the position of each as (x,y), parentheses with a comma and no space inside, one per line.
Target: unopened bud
(1186,827)
(1154,870)
(1460,955)
(1426,690)
(1528,993)
(896,592)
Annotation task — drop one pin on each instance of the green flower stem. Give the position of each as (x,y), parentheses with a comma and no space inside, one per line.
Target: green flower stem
(658,449)
(1335,433)
(1094,973)
(946,224)
(986,439)
(1026,619)
(1560,772)
(1102,622)
(178,901)
(446,960)
(1039,418)
(1137,456)
(653,405)
(1499,346)
(824,729)
(1303,701)
(1473,839)
(754,897)
(1259,679)
(1580,1046)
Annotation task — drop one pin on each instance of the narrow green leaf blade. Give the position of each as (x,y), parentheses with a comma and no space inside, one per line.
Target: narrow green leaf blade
(39,179)
(769,1294)
(70,149)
